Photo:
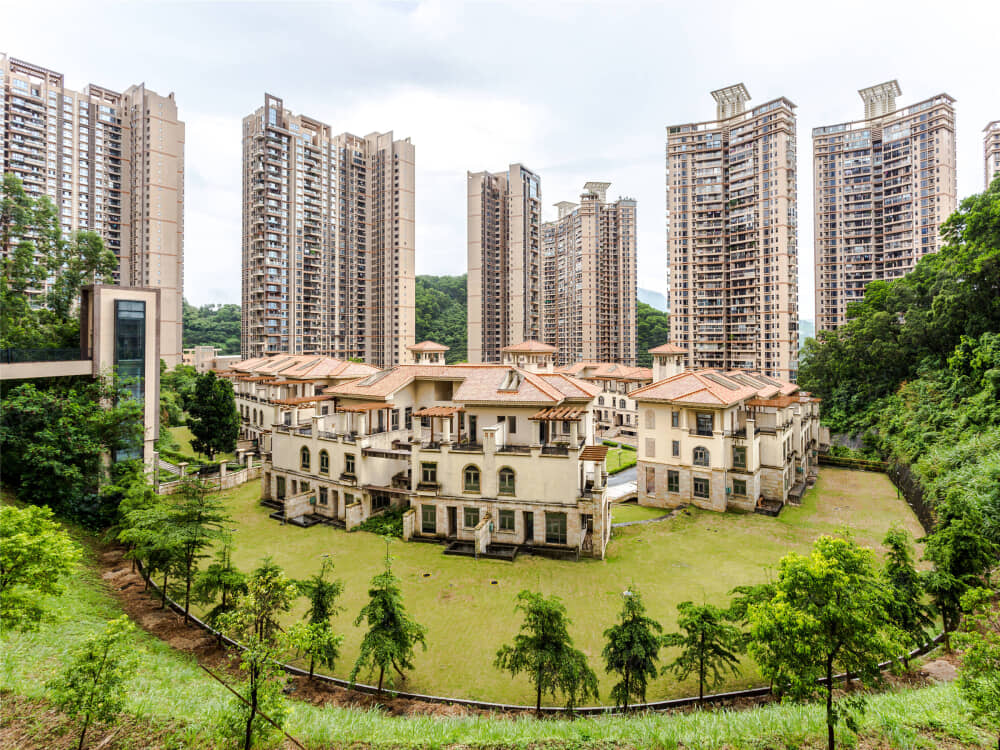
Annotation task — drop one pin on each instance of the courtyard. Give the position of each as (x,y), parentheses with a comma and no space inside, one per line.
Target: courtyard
(467,605)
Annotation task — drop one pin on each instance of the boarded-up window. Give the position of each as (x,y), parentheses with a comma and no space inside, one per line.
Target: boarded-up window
(650,419)
(650,480)
(650,448)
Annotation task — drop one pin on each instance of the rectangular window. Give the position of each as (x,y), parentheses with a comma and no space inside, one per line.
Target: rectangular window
(428,472)
(349,463)
(511,425)
(673,481)
(130,356)
(739,457)
(472,428)
(408,417)
(650,419)
(471,518)
(395,419)
(428,519)
(740,487)
(506,520)
(700,487)
(675,419)
(650,480)
(705,423)
(348,499)
(280,488)
(675,448)
(471,482)
(555,528)
(323,500)
(380,500)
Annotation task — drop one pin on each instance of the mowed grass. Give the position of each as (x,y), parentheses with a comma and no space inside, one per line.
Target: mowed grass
(183,437)
(619,459)
(468,605)
(625,512)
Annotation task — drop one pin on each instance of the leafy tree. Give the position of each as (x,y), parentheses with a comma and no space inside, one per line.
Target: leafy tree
(93,683)
(828,614)
(392,633)
(146,529)
(253,622)
(317,639)
(544,651)
(905,606)
(43,272)
(652,328)
(35,556)
(631,650)
(708,643)
(979,678)
(745,597)
(176,392)
(214,420)
(54,443)
(962,555)
(440,313)
(221,581)
(212,325)
(195,519)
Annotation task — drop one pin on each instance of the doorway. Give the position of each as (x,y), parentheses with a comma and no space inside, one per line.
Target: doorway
(529,527)
(452,521)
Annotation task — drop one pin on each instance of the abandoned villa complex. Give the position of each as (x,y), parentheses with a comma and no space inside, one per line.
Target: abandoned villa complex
(493,459)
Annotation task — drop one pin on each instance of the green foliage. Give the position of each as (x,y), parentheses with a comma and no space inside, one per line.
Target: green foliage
(253,622)
(176,393)
(35,557)
(316,638)
(214,419)
(903,327)
(392,633)
(905,607)
(36,255)
(219,583)
(93,684)
(544,651)
(828,615)
(212,325)
(387,523)
(195,520)
(709,646)
(632,650)
(441,313)
(54,441)
(652,328)
(979,678)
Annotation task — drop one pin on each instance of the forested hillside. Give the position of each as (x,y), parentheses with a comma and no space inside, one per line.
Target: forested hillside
(212,325)
(440,314)
(652,328)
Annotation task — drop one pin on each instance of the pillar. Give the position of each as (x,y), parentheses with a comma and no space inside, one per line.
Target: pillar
(183,467)
(446,430)
(573,432)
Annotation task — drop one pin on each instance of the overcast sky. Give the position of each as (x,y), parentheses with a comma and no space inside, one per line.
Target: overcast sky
(576,91)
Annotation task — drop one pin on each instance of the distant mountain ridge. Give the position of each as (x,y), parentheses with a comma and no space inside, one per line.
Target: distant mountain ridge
(652,298)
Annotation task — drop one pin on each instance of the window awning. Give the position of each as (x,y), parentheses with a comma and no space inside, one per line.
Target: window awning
(594,453)
(558,414)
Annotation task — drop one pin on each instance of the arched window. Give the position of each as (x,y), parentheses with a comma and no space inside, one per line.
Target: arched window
(621,403)
(324,462)
(506,481)
(600,400)
(254,417)
(304,459)
(471,477)
(700,456)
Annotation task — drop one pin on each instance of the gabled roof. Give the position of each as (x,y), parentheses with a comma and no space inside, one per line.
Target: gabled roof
(572,388)
(698,387)
(606,371)
(303,367)
(667,349)
(530,347)
(767,386)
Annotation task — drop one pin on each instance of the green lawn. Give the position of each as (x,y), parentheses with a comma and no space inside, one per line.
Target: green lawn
(182,435)
(618,459)
(467,605)
(623,512)
(169,687)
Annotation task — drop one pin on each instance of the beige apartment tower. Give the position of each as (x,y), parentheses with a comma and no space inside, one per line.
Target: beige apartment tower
(111,162)
(882,187)
(733,237)
(589,279)
(504,261)
(991,151)
(328,240)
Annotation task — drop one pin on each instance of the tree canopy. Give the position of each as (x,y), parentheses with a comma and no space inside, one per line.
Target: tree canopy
(441,313)
(631,650)
(212,325)
(214,420)
(652,328)
(709,646)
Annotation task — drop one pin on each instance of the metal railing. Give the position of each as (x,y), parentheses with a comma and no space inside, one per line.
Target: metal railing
(15,356)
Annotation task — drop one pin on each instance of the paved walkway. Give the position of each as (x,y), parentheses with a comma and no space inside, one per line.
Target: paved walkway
(618,491)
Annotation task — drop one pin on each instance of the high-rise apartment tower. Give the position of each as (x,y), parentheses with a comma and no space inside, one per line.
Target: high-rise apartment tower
(589,279)
(882,186)
(732,237)
(504,261)
(111,162)
(991,151)
(328,240)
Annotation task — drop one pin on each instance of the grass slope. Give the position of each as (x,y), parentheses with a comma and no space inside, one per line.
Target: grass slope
(183,704)
(698,557)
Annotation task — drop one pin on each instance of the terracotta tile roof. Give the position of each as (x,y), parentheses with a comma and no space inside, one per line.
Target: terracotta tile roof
(606,371)
(302,367)
(700,387)
(570,387)
(594,453)
(507,385)
(767,385)
(778,401)
(383,383)
(429,346)
(368,406)
(668,349)
(532,347)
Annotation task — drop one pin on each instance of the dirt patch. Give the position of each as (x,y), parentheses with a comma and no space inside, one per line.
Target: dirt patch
(939,670)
